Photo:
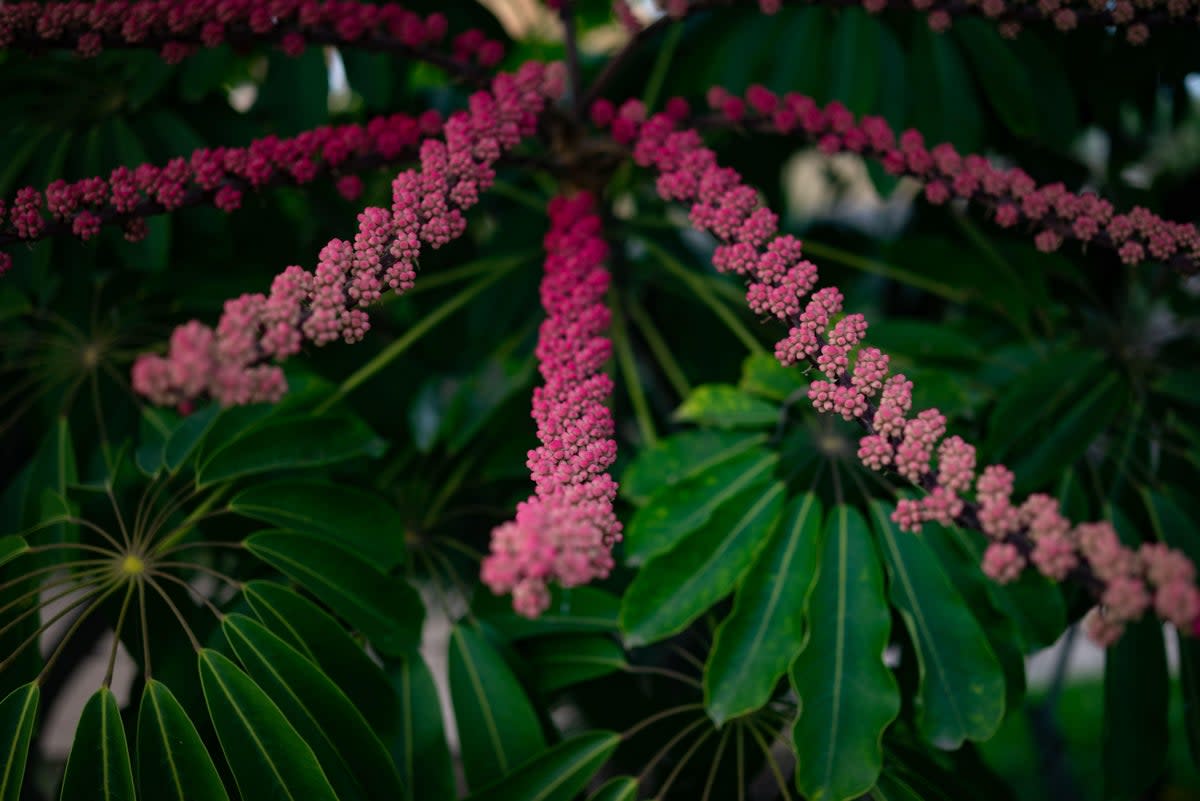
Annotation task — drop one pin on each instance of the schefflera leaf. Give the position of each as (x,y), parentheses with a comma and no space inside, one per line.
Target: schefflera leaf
(961,686)
(18,714)
(418,745)
(98,766)
(848,697)
(352,757)
(172,762)
(676,587)
(559,774)
(680,457)
(754,645)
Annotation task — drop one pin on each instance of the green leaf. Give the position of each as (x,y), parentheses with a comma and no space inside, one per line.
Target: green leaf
(946,110)
(558,662)
(762,374)
(1005,79)
(385,609)
(1039,395)
(98,766)
(855,70)
(497,724)
(560,774)
(619,788)
(266,755)
(572,610)
(681,457)
(347,516)
(11,547)
(287,444)
(1135,711)
(188,434)
(754,645)
(352,757)
(678,511)
(18,714)
(961,691)
(418,746)
(310,630)
(172,762)
(674,588)
(726,406)
(847,696)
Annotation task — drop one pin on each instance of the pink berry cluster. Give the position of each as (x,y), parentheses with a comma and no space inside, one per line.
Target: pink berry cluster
(1010,196)
(178,27)
(565,531)
(854,381)
(230,363)
(1134,18)
(219,176)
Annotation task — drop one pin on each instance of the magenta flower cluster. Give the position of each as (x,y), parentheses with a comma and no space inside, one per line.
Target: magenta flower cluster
(219,176)
(1011,197)
(234,363)
(854,382)
(565,531)
(178,27)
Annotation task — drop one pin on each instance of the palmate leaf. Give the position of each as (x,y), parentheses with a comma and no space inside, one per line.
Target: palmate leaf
(847,696)
(573,610)
(726,406)
(172,762)
(558,662)
(18,714)
(1135,711)
(559,774)
(98,767)
(621,788)
(680,457)
(418,745)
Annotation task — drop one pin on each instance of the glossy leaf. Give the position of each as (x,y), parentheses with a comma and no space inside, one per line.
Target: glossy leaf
(98,766)
(268,758)
(620,788)
(497,724)
(726,406)
(961,686)
(763,375)
(418,745)
(350,754)
(559,774)
(1135,711)
(184,439)
(385,609)
(172,762)
(288,444)
(18,714)
(11,547)
(847,696)
(311,631)
(572,610)
(558,662)
(676,587)
(680,457)
(754,645)
(678,511)
(349,517)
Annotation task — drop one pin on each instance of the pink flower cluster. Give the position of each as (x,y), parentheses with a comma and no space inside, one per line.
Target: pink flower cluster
(230,362)
(218,175)
(177,27)
(1133,17)
(565,531)
(856,384)
(1010,196)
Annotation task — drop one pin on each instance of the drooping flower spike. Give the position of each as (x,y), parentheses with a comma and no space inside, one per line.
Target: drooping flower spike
(854,382)
(176,28)
(237,362)
(565,531)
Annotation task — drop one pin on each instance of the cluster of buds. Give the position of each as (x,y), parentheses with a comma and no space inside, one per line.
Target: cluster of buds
(565,531)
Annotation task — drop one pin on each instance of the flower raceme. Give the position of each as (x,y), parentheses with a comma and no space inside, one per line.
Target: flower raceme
(565,531)
(855,383)
(232,363)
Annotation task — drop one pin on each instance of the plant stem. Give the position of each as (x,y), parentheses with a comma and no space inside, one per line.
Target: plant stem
(628,365)
(658,346)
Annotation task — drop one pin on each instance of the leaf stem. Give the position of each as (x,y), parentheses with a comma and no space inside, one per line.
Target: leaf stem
(658,346)
(628,365)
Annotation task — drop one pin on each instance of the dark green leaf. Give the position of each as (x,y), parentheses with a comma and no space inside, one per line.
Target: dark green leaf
(1003,75)
(671,515)
(680,457)
(385,609)
(1135,711)
(346,516)
(762,374)
(961,691)
(674,588)
(726,406)
(558,662)
(847,696)
(18,714)
(946,110)
(418,746)
(98,766)
(855,53)
(11,547)
(559,774)
(172,762)
(350,754)
(268,758)
(621,788)
(289,444)
(572,610)
(188,434)
(497,724)
(754,645)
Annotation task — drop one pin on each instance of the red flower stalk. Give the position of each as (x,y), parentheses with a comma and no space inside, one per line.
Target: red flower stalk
(178,27)
(855,383)
(565,531)
(231,363)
